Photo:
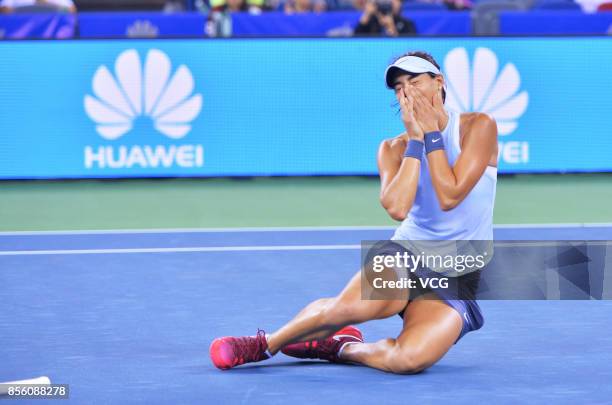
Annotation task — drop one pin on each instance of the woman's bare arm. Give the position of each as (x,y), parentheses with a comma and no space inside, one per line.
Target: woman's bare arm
(399,178)
(399,175)
(452,184)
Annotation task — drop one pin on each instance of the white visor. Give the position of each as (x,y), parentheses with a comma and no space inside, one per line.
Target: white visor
(409,64)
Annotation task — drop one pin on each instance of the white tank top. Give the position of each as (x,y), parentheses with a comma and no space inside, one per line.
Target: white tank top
(472,219)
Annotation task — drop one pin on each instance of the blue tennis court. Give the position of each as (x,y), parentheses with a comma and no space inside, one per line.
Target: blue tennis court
(127,317)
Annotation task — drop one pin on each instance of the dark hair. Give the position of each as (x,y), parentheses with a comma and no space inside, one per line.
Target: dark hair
(428,58)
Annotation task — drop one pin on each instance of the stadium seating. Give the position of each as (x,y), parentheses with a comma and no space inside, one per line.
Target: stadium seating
(38,8)
(485,15)
(118,5)
(555,5)
(142,18)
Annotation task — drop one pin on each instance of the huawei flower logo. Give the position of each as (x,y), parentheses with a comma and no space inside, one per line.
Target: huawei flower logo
(143,91)
(481,88)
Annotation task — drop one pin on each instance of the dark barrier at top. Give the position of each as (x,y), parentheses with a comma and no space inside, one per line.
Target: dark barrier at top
(141,25)
(163,25)
(556,22)
(342,23)
(337,23)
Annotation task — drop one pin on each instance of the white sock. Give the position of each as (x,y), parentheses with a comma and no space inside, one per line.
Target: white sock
(343,346)
(267,352)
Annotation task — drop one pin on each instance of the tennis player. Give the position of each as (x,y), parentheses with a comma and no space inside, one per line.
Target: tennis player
(438,178)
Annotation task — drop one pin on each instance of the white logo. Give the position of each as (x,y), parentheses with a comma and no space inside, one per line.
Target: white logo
(435,140)
(142,29)
(338,338)
(482,89)
(148,91)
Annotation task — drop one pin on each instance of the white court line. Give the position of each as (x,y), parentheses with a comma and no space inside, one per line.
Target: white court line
(239,249)
(204,230)
(557,225)
(280,229)
(551,243)
(178,250)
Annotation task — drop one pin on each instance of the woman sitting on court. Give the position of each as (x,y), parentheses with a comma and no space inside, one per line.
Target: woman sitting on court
(438,177)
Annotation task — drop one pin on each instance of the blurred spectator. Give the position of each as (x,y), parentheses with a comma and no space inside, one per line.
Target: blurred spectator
(255,6)
(9,6)
(305,6)
(234,6)
(219,21)
(458,5)
(174,6)
(590,6)
(384,17)
(359,4)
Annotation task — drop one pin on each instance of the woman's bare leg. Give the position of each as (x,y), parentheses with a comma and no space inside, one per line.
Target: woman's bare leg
(323,317)
(318,320)
(431,327)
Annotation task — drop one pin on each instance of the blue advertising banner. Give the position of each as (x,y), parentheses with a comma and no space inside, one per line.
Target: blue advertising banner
(286,107)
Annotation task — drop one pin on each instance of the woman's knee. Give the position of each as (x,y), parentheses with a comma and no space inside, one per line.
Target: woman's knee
(403,360)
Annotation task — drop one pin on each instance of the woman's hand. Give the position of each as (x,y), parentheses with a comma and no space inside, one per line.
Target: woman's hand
(409,119)
(427,112)
(370,10)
